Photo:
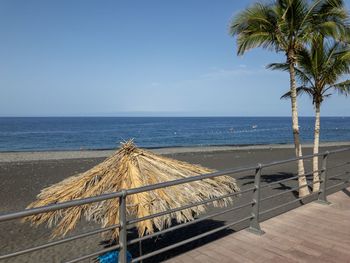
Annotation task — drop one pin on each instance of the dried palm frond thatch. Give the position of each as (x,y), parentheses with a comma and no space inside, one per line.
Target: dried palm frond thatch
(131,167)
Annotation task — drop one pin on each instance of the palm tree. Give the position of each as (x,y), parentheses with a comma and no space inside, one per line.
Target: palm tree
(320,70)
(286,26)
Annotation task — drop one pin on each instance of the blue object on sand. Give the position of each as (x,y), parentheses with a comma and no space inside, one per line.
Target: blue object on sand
(112,257)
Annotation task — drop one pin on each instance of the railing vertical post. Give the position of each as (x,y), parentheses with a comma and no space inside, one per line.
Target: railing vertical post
(322,196)
(123,229)
(254,222)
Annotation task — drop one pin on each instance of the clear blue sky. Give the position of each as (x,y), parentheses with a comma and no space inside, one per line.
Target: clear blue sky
(83,58)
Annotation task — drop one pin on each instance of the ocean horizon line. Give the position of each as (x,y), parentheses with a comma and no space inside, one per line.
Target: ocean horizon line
(160,116)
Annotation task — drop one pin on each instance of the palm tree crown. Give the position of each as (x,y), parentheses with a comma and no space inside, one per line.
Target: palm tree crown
(285,25)
(321,69)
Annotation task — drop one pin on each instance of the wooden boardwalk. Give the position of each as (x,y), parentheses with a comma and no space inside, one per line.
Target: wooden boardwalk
(311,233)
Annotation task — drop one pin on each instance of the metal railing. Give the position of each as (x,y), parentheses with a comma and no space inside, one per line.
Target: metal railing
(124,222)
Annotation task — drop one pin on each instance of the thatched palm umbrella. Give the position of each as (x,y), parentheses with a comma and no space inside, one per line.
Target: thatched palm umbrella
(131,167)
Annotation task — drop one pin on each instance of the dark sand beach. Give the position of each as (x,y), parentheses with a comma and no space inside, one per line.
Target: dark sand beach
(23,175)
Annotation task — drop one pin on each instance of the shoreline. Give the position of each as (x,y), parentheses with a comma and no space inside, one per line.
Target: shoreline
(25,156)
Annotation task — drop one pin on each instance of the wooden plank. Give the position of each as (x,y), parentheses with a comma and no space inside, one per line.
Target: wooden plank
(311,233)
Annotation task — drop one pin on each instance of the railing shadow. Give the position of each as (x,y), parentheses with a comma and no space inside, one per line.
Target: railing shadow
(346,191)
(269,178)
(173,237)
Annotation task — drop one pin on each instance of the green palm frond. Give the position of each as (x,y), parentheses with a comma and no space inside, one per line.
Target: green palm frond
(255,27)
(331,19)
(278,66)
(289,24)
(319,68)
(300,91)
(301,76)
(257,39)
(343,88)
(305,62)
(336,64)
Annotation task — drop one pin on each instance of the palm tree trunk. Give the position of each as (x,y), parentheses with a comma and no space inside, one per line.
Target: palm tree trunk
(303,191)
(316,178)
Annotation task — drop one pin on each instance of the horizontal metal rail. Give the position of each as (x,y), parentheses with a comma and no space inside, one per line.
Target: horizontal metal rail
(288,203)
(338,165)
(283,192)
(95,254)
(304,157)
(339,174)
(221,173)
(315,182)
(187,180)
(200,219)
(61,241)
(58,206)
(289,190)
(269,185)
(133,221)
(289,179)
(186,241)
(337,185)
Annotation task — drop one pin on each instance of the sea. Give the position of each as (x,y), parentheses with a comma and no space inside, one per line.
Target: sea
(99,133)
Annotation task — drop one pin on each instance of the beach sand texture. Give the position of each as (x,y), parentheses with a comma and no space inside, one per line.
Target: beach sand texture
(21,179)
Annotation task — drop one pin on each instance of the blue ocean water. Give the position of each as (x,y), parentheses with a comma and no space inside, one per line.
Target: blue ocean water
(75,133)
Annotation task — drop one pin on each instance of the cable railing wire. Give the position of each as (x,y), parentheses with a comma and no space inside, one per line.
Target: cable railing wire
(58,206)
(338,166)
(58,242)
(136,220)
(289,179)
(95,254)
(283,192)
(186,241)
(347,183)
(200,219)
(338,175)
